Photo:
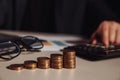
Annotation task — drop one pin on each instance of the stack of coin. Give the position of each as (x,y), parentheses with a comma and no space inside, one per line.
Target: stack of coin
(57,61)
(43,62)
(69,59)
(30,64)
(16,67)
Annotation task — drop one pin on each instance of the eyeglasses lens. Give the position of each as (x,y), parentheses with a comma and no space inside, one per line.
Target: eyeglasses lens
(31,42)
(9,50)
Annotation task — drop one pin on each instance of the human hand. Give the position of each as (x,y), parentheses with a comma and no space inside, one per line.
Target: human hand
(108,33)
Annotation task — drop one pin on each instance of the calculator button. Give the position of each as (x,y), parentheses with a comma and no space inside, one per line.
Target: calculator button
(117,46)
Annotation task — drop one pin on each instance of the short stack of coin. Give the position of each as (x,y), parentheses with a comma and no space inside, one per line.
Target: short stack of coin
(56,61)
(30,64)
(69,59)
(17,67)
(43,62)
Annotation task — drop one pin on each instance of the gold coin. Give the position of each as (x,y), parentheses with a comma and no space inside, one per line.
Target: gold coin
(57,61)
(30,64)
(69,59)
(43,62)
(69,53)
(16,67)
(70,66)
(56,57)
(43,59)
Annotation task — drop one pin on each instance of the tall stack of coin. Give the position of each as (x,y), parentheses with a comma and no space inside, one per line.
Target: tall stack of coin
(30,64)
(69,59)
(57,61)
(43,62)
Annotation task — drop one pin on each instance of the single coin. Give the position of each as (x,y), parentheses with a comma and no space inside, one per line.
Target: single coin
(16,67)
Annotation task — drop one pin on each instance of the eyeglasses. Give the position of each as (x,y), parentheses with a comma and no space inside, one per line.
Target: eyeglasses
(12,49)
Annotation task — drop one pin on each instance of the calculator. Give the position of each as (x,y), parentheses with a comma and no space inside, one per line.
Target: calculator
(95,52)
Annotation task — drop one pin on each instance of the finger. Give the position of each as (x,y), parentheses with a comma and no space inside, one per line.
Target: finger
(105,35)
(112,34)
(93,39)
(117,37)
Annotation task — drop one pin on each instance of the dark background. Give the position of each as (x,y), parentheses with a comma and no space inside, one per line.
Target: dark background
(114,6)
(39,14)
